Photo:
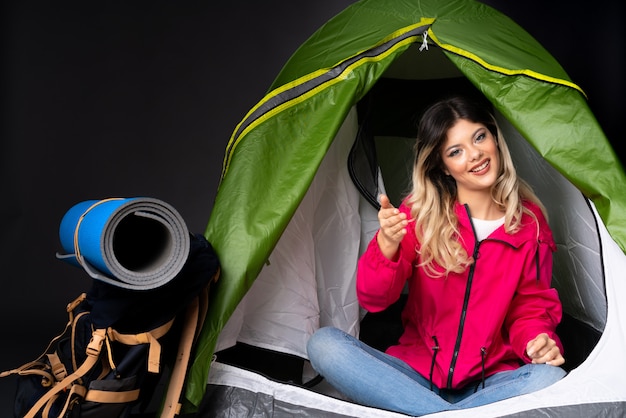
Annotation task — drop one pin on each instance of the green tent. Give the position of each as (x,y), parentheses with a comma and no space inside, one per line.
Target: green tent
(277,149)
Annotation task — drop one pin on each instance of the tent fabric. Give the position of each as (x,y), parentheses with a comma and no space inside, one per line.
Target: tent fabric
(259,396)
(275,152)
(592,388)
(579,247)
(313,290)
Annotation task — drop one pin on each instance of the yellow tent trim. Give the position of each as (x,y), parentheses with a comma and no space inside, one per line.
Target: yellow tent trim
(476,58)
(234,141)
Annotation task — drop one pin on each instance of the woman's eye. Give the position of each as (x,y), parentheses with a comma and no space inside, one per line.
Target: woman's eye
(481,137)
(454,153)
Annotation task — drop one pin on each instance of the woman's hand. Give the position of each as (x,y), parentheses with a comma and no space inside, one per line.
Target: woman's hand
(543,349)
(392,228)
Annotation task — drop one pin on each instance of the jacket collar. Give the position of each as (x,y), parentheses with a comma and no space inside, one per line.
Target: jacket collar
(528,232)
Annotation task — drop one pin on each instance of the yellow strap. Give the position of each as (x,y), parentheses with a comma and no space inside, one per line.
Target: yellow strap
(110,364)
(77,390)
(56,365)
(103,396)
(46,411)
(73,304)
(47,378)
(172,405)
(150,337)
(194,320)
(93,351)
(70,307)
(141,338)
(38,367)
(32,367)
(203,308)
(204,303)
(106,367)
(77,254)
(73,339)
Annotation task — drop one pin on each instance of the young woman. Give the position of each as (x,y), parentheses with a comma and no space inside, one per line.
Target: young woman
(472,243)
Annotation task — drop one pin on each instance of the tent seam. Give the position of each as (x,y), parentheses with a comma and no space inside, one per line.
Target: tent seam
(397,39)
(527,72)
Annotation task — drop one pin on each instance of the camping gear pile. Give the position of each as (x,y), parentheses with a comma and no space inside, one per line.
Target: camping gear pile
(297,204)
(126,346)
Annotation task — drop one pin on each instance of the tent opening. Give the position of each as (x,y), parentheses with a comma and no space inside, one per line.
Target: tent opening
(388,117)
(380,132)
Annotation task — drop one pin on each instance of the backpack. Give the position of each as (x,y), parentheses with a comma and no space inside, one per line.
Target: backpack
(123,353)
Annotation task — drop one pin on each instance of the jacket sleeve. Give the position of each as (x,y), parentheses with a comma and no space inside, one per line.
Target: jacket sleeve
(380,281)
(536,307)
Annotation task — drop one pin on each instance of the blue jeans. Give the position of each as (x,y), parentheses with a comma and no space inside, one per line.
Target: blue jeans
(373,378)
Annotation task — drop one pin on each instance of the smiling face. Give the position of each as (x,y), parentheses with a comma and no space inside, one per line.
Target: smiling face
(470,156)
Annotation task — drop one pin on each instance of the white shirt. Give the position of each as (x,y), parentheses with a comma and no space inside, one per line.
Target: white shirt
(485,228)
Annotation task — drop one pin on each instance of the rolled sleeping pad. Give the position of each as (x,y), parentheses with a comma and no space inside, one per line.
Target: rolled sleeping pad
(134,243)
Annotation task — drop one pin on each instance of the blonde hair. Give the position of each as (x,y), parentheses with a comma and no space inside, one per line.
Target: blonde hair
(433,196)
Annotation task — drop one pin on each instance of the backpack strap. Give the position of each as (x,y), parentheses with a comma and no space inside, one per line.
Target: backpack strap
(33,367)
(204,303)
(75,392)
(194,320)
(74,320)
(57,367)
(37,366)
(149,337)
(103,396)
(172,404)
(93,353)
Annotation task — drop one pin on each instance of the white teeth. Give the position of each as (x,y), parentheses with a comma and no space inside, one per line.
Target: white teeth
(481,167)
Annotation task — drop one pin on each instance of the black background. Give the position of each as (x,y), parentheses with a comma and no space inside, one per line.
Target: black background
(139,98)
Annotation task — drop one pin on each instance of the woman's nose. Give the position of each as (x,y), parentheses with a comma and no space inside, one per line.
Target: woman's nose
(475,153)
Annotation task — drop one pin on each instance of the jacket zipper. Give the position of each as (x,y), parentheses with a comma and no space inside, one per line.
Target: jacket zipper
(468,288)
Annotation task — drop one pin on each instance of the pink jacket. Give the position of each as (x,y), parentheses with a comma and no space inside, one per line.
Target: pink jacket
(459,327)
